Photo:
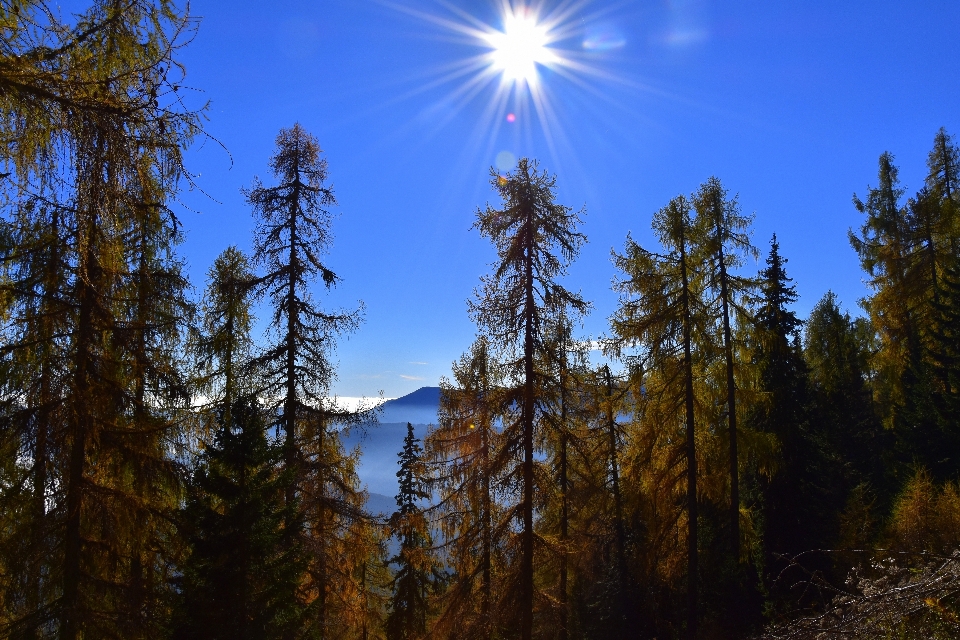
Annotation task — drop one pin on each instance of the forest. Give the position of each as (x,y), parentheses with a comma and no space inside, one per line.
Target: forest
(726,469)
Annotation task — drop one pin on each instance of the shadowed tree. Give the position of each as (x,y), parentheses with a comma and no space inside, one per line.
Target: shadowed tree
(293,232)
(222,345)
(661,311)
(34,358)
(564,439)
(409,605)
(724,242)
(535,239)
(943,186)
(90,136)
(241,578)
(885,248)
(469,466)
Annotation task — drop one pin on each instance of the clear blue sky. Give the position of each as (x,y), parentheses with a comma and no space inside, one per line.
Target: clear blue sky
(789,103)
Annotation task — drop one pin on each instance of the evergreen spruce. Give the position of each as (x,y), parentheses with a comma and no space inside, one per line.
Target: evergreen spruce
(794,493)
(242,575)
(409,605)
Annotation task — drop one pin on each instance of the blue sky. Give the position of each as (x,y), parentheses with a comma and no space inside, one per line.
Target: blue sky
(790,104)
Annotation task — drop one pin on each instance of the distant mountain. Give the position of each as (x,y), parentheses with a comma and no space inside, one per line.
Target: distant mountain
(381,443)
(419,407)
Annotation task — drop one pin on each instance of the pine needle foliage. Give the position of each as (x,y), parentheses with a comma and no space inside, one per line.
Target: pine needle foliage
(535,239)
(413,580)
(241,577)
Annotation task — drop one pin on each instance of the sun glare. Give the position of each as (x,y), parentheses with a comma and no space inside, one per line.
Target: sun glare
(509,71)
(520,47)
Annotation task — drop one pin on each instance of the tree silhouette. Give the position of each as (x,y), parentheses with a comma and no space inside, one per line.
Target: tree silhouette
(409,605)
(535,239)
(241,577)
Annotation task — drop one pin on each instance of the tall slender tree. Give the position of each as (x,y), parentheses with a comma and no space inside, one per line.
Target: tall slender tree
(293,232)
(535,239)
(222,344)
(725,242)
(565,417)
(884,248)
(661,311)
(409,605)
(943,185)
(465,450)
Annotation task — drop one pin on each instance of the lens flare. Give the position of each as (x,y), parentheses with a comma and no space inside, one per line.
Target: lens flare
(532,52)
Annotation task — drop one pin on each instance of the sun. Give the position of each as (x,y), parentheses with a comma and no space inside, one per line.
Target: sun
(520,47)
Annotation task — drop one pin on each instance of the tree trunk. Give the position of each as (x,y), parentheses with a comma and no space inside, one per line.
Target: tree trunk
(564,514)
(290,402)
(731,403)
(526,546)
(617,505)
(80,423)
(487,518)
(692,511)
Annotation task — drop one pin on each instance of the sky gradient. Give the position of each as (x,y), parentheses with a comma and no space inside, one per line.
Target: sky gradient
(790,104)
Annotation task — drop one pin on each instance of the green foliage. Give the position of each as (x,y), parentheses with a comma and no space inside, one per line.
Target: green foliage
(243,571)
(413,580)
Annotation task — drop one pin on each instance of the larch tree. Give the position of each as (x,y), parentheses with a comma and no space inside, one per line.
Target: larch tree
(884,246)
(535,238)
(608,399)
(661,312)
(98,134)
(564,437)
(222,344)
(943,185)
(724,234)
(34,357)
(293,232)
(468,465)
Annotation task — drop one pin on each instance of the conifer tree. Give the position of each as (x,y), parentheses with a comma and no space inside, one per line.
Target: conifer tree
(661,311)
(92,139)
(609,400)
(222,345)
(409,605)
(794,496)
(943,186)
(34,363)
(293,232)
(566,418)
(885,250)
(945,357)
(837,349)
(725,242)
(465,451)
(241,577)
(535,238)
